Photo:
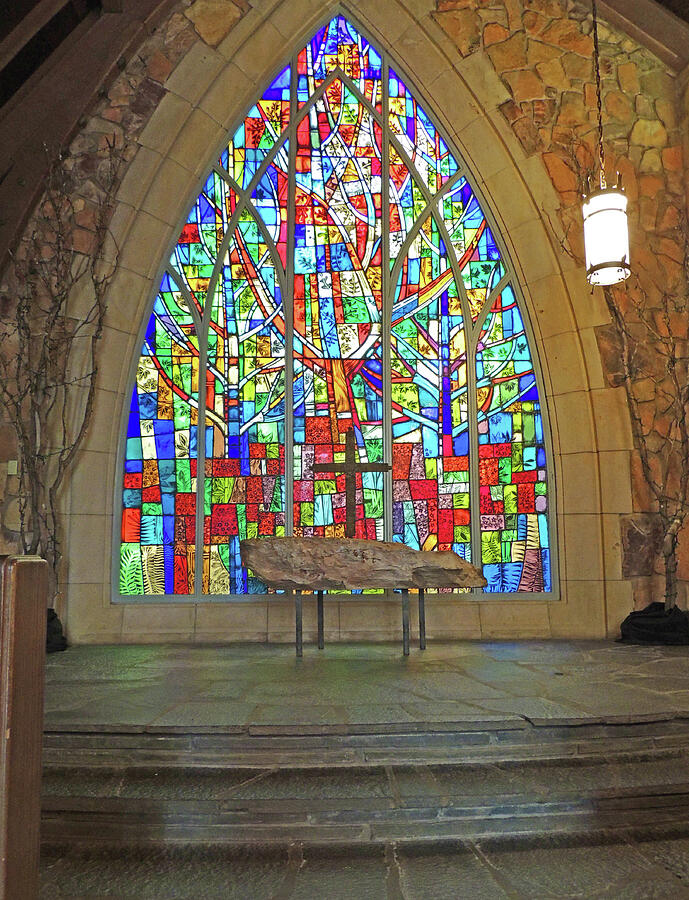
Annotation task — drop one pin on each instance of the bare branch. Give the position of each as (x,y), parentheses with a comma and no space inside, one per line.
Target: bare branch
(55,299)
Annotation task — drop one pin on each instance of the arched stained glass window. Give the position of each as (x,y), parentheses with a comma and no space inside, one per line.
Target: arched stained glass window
(337,273)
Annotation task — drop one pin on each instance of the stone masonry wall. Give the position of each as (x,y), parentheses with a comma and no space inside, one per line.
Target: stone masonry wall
(542,51)
(119,116)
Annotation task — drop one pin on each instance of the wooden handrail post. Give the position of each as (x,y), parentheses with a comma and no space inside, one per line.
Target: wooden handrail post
(23,603)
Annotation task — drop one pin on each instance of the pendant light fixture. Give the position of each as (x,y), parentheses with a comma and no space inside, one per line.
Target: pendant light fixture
(606,233)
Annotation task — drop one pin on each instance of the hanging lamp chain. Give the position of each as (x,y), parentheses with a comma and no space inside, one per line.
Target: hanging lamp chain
(596,61)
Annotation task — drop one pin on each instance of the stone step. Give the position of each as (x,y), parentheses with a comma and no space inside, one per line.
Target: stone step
(263,757)
(379,813)
(518,738)
(232,789)
(135,822)
(440,780)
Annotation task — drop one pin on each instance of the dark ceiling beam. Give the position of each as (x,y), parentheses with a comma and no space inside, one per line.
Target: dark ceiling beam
(653,26)
(48,108)
(28,28)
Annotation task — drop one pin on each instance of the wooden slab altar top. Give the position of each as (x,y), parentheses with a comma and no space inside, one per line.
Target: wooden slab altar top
(315,563)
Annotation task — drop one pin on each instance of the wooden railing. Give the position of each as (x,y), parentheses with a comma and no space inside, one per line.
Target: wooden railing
(23,596)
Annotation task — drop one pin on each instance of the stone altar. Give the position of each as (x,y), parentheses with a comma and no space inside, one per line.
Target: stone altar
(320,564)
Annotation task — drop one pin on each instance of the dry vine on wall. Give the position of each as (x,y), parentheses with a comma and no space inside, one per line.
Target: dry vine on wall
(647,353)
(650,330)
(52,309)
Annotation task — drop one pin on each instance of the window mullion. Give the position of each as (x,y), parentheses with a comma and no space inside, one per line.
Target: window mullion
(471,338)
(214,285)
(288,305)
(387,289)
(201,443)
(201,411)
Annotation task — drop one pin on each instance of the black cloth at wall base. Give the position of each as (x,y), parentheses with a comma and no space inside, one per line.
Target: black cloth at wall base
(656,625)
(55,639)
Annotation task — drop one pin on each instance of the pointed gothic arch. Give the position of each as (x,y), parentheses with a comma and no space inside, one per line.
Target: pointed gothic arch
(411,331)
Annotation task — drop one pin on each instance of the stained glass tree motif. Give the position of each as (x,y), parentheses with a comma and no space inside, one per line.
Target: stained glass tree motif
(160,474)
(430,452)
(337,310)
(245,411)
(512,459)
(337,274)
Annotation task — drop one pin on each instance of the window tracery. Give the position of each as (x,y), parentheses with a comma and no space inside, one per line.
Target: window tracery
(337,272)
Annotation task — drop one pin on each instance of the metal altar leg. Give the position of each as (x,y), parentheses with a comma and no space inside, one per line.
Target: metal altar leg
(405,621)
(422,619)
(321,641)
(297,615)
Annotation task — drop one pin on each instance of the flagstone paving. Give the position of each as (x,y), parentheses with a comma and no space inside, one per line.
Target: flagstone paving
(495,770)
(242,686)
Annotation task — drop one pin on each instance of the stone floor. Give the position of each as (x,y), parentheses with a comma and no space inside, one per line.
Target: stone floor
(255,687)
(525,770)
(657,870)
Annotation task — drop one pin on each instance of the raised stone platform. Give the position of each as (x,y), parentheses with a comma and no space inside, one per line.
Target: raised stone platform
(473,770)
(244,687)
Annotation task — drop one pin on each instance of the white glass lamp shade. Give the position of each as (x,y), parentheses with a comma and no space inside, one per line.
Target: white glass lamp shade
(606,237)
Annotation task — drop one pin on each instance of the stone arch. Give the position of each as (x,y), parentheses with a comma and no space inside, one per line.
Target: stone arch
(206,93)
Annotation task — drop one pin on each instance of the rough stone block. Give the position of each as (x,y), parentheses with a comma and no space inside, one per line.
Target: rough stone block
(343,564)
(213,19)
(641,538)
